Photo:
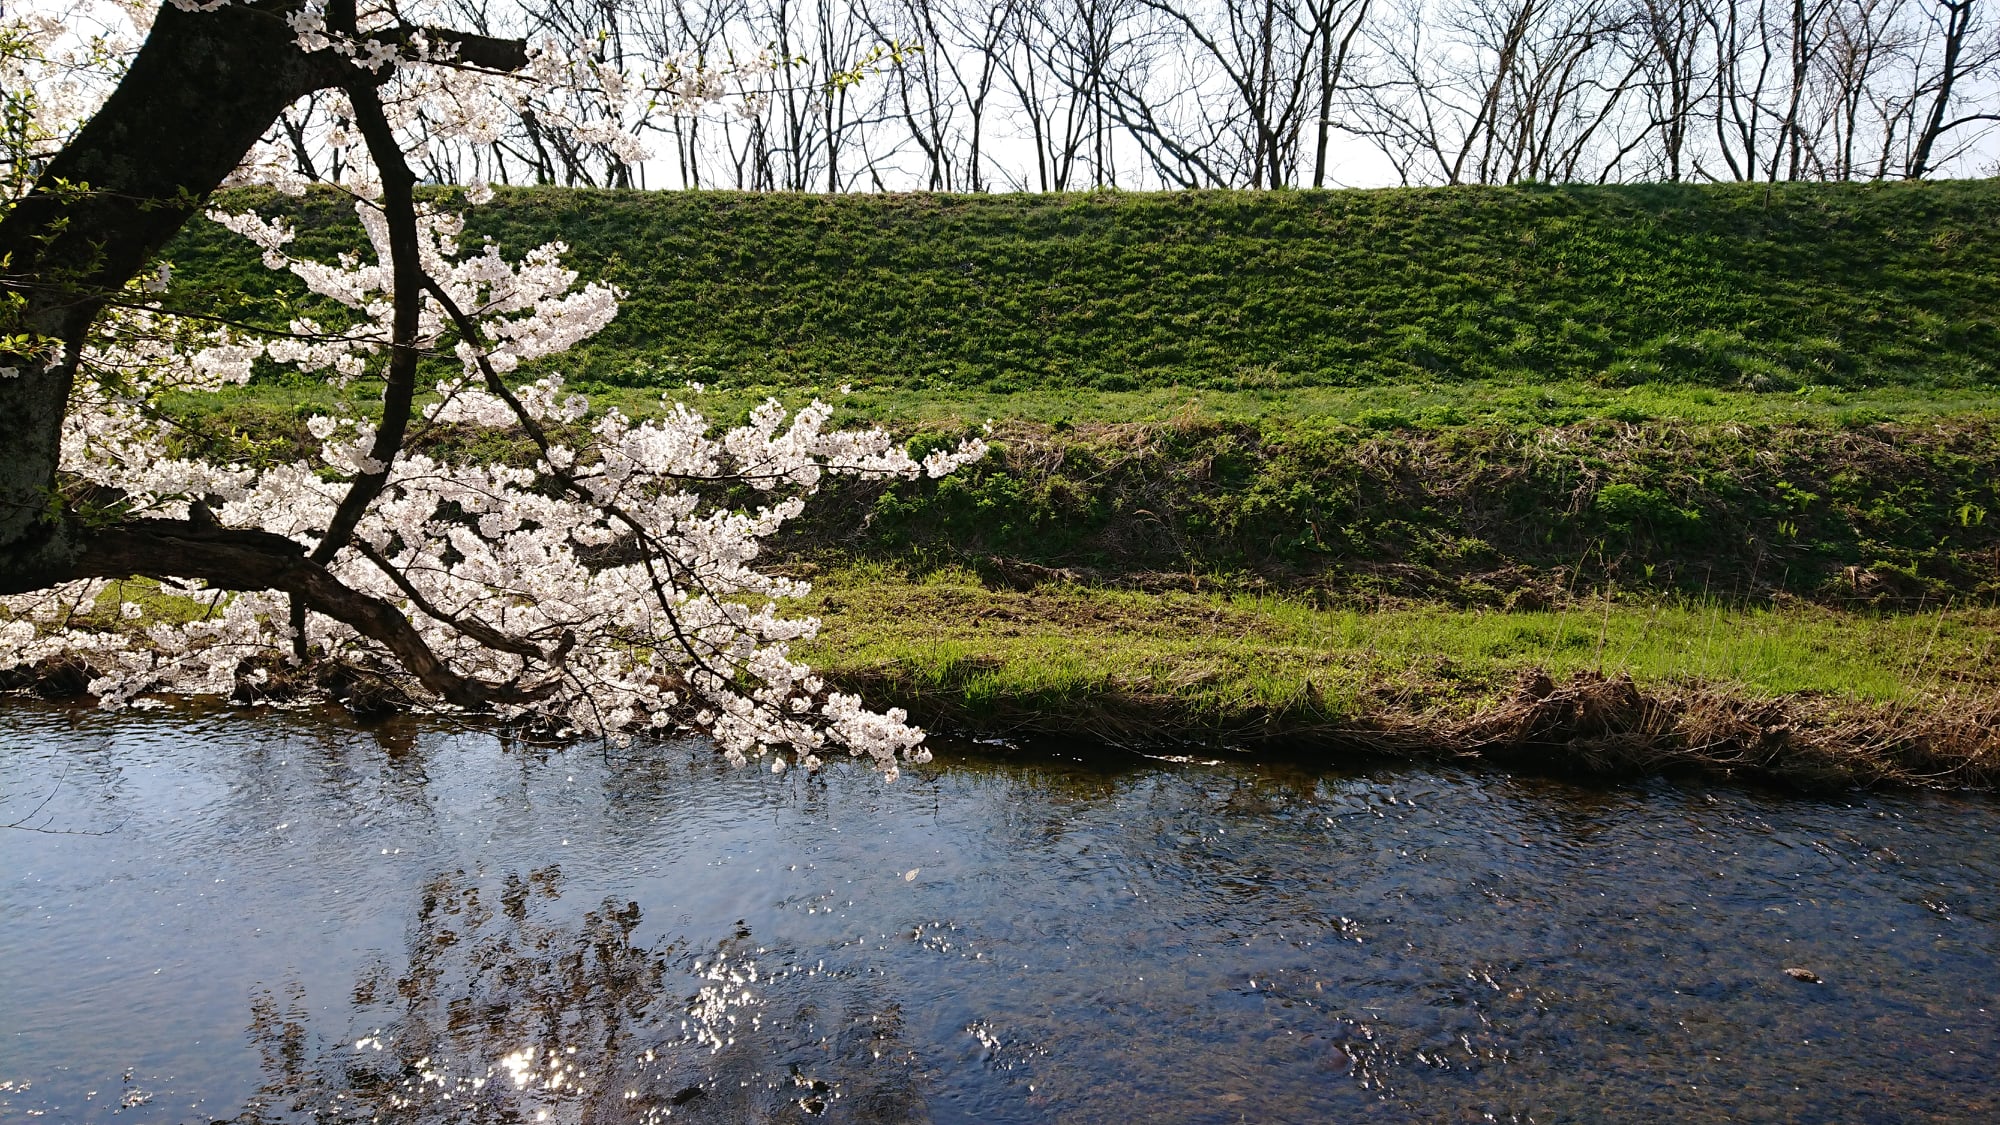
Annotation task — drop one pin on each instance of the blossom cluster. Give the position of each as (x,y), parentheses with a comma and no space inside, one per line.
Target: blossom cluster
(435,100)
(624,593)
(603,583)
(530,309)
(57,62)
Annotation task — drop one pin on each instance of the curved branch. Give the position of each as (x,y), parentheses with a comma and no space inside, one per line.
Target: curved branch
(242,559)
(399,208)
(485,634)
(202,89)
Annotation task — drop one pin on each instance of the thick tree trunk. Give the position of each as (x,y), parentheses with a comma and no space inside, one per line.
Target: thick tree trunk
(199,93)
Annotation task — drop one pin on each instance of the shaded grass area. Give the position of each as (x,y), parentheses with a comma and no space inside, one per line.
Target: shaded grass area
(1890,515)
(1803,696)
(1756,286)
(1358,508)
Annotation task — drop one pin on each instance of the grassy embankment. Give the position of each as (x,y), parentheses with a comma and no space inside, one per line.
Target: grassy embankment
(1738,443)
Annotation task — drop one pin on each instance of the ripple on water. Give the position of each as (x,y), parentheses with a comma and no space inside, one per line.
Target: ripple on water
(271,916)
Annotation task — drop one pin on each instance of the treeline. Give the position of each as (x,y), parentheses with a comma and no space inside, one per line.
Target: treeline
(1056,95)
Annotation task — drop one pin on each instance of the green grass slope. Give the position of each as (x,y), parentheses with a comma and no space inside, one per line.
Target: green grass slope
(1335,468)
(1476,396)
(1749,287)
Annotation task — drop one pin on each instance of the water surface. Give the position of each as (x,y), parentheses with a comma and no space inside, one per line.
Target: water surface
(265,916)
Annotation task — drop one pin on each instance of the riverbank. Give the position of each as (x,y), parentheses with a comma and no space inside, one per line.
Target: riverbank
(1607,479)
(1802,697)
(1806,601)
(1799,696)
(1543,498)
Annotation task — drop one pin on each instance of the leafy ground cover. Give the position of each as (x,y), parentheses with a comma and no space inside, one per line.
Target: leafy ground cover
(1356,509)
(1886,515)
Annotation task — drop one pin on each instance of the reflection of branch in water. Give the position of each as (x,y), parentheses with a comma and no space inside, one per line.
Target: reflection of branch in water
(24,824)
(514,1016)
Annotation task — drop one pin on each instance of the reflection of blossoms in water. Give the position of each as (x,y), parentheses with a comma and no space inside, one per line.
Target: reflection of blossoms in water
(712,1016)
(507,1012)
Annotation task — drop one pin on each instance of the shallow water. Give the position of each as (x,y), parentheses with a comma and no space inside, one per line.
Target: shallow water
(287,917)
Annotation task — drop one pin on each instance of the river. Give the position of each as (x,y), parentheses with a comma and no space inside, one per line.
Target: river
(287,916)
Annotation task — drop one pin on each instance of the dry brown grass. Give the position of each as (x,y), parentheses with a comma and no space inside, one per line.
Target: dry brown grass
(1590,724)
(1608,724)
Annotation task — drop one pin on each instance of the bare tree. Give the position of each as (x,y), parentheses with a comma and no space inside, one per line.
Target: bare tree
(945,57)
(1669,41)
(980,27)
(1062,62)
(839,95)
(1806,34)
(1339,22)
(1279,64)
(1528,89)
(1864,38)
(1953,24)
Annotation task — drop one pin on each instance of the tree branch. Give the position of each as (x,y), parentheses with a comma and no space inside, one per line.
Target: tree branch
(399,209)
(485,634)
(243,559)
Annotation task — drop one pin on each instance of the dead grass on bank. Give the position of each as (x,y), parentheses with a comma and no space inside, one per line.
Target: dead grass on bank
(1590,724)
(1610,725)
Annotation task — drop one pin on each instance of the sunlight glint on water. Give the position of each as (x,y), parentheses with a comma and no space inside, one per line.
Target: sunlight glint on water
(263,917)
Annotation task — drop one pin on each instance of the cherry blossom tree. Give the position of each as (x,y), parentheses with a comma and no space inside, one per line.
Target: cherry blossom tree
(602,584)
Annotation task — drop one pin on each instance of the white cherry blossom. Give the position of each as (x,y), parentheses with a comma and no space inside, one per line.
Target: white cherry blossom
(605,579)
